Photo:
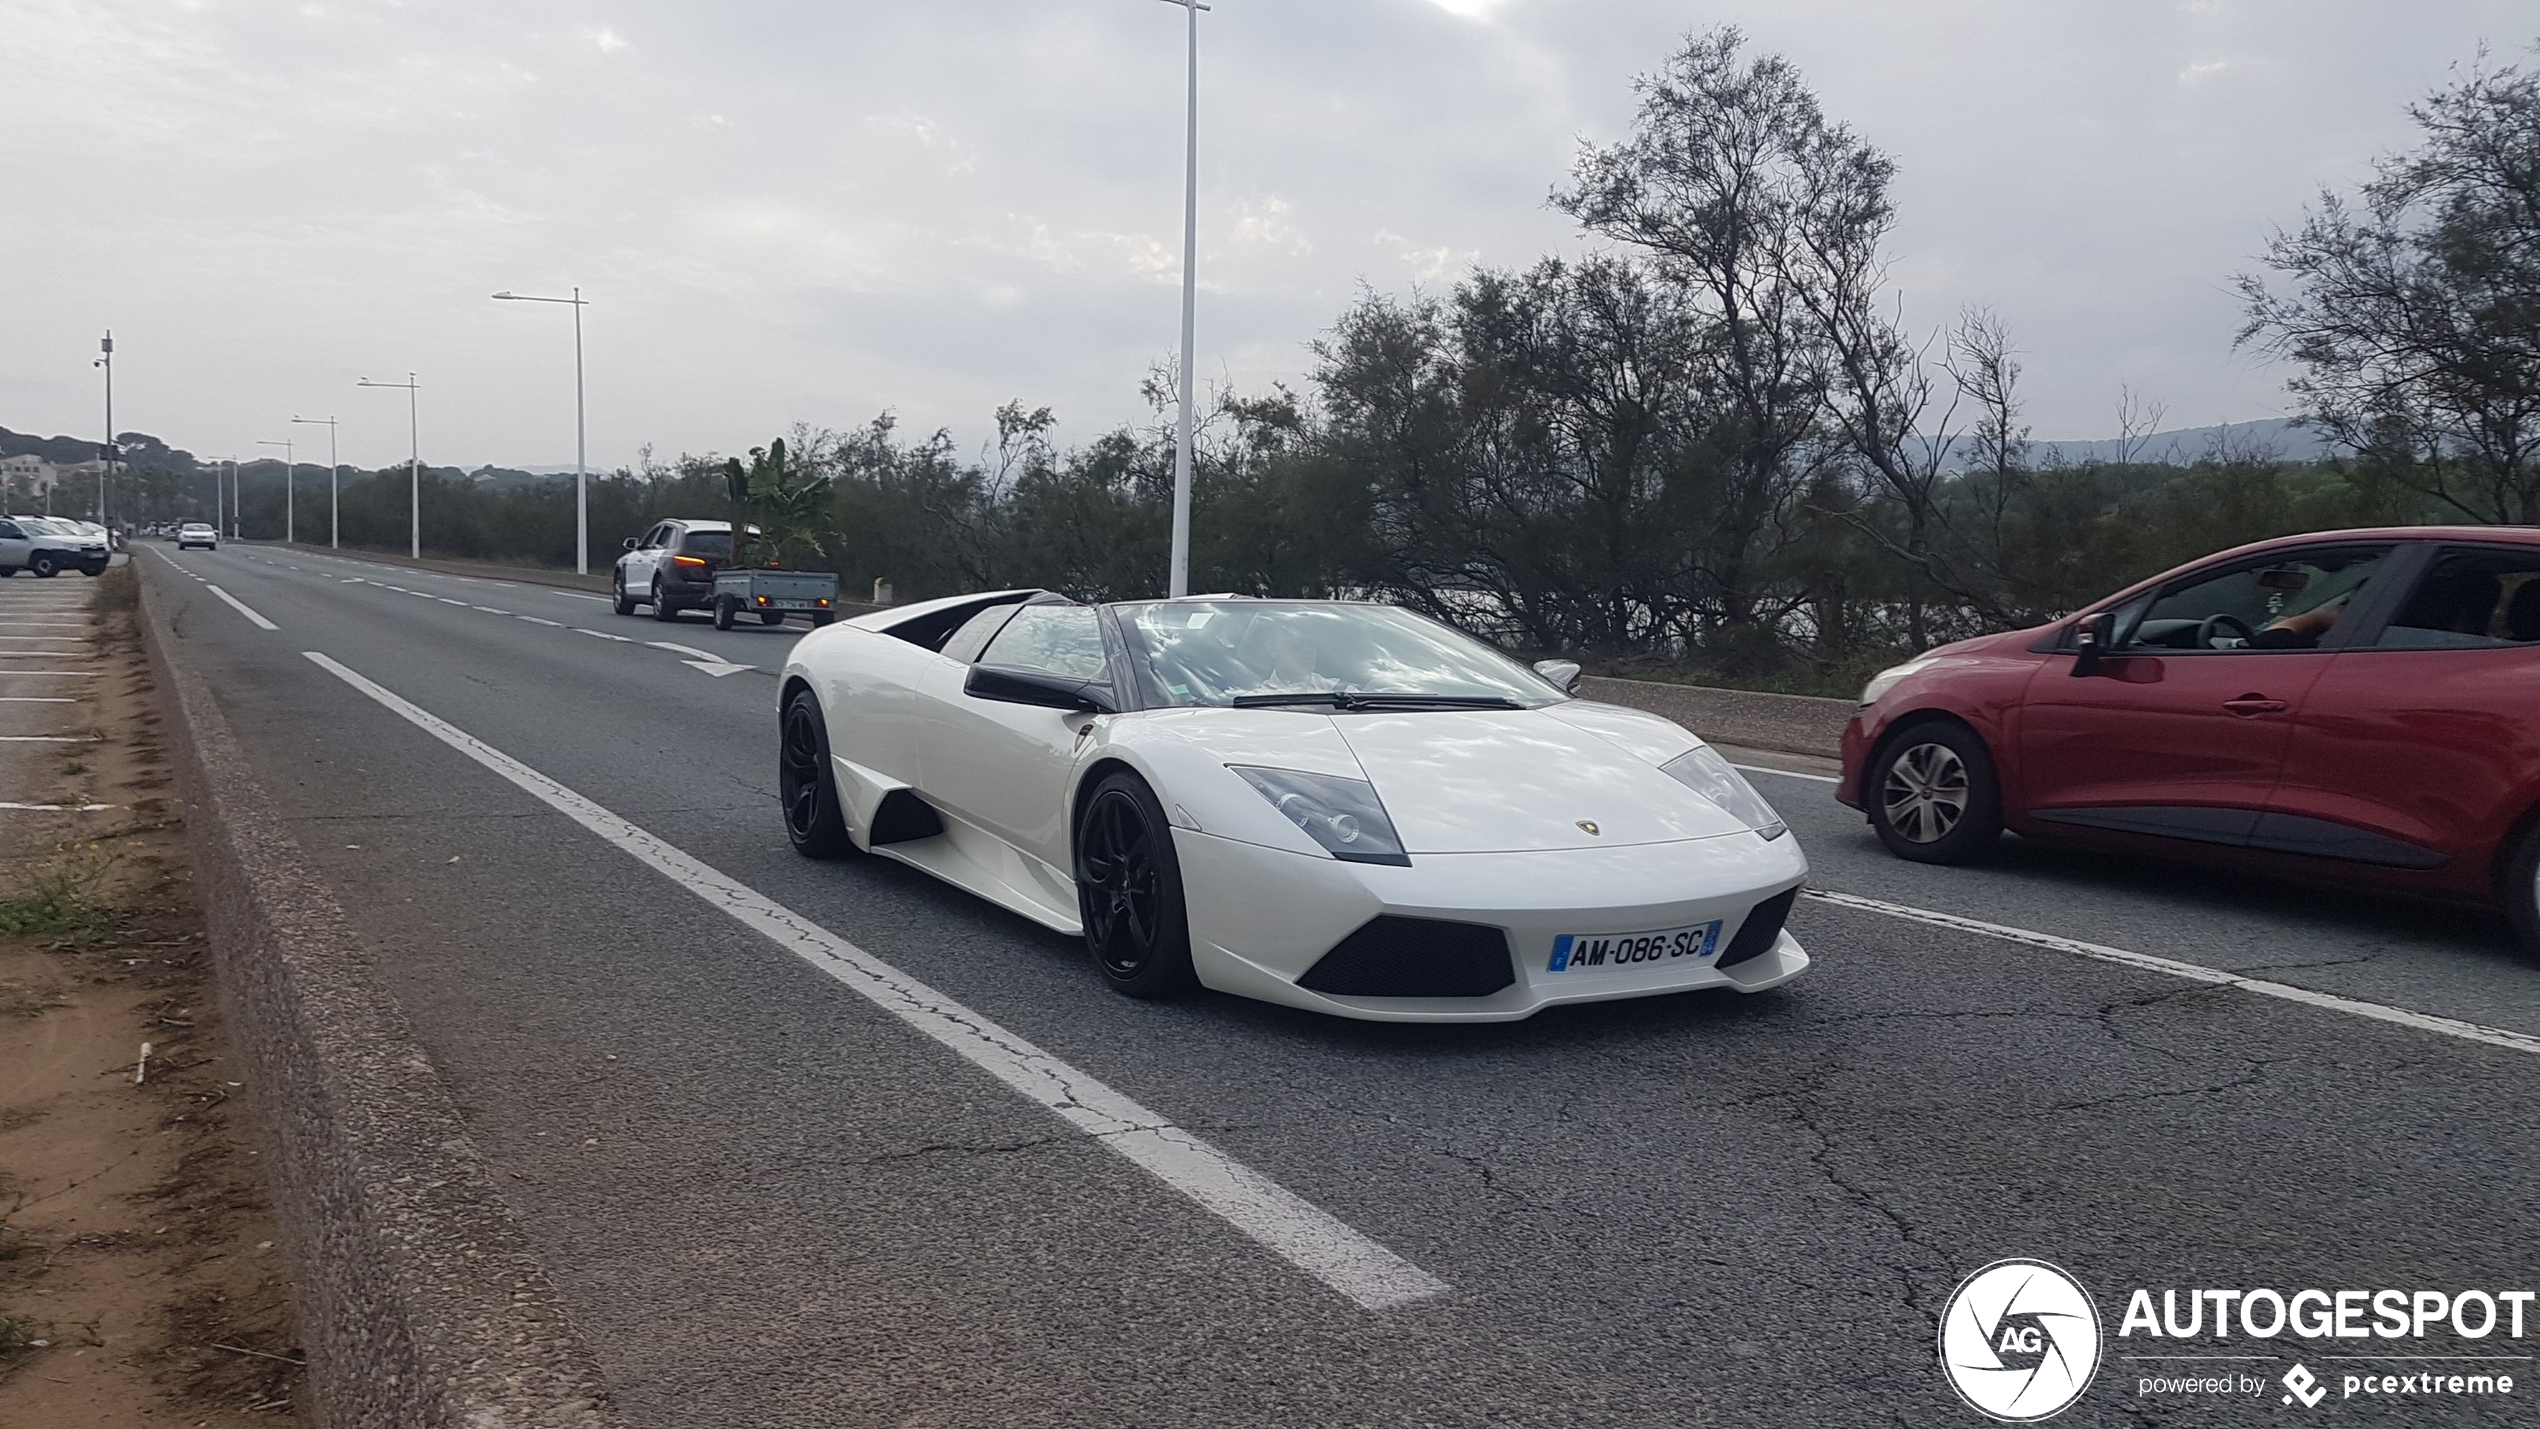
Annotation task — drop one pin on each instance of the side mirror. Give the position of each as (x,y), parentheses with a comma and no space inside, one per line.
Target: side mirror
(628,545)
(1562,673)
(2092,642)
(1008,685)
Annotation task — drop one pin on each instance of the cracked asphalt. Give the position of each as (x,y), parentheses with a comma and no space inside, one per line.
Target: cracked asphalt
(767,1202)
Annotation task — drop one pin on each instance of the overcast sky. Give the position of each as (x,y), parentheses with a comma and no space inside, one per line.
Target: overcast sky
(817,210)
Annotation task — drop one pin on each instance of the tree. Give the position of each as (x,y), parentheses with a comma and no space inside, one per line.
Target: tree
(2415,314)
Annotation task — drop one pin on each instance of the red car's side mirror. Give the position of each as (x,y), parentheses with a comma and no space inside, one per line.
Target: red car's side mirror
(2092,641)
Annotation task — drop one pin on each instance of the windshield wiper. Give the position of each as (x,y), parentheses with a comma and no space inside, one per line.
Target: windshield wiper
(1381,700)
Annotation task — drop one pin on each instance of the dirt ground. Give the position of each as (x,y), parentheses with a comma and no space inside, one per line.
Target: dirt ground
(140,1279)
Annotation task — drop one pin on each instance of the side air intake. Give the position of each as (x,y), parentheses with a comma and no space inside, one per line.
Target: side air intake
(1763,925)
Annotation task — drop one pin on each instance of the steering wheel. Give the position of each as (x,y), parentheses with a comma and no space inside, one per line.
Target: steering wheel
(2206,630)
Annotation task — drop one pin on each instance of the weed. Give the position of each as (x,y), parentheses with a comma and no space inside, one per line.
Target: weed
(118,589)
(17,1333)
(65,898)
(76,766)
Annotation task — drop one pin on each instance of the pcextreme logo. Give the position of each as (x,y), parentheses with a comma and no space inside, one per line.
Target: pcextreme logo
(2019,1341)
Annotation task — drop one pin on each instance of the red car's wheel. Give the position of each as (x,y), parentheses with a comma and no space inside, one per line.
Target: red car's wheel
(1933,795)
(2522,888)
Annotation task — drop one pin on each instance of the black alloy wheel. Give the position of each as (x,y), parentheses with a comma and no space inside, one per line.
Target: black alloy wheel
(806,784)
(2521,889)
(661,603)
(619,600)
(45,564)
(1129,890)
(1933,795)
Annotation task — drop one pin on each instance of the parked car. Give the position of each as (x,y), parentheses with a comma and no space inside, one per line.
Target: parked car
(2361,707)
(48,547)
(671,567)
(196,533)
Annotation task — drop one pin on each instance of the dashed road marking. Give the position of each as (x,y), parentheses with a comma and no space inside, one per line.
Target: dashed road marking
(2194,972)
(241,607)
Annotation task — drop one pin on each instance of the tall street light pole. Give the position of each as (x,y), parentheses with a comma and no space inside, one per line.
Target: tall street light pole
(334,473)
(414,461)
(581,475)
(1181,581)
(106,454)
(290,479)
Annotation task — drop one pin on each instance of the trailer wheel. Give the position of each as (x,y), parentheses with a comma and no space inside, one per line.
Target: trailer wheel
(725,607)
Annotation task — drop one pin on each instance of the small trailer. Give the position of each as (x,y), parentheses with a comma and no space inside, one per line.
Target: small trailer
(771,595)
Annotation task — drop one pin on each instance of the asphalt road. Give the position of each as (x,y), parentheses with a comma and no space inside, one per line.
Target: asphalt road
(771,1203)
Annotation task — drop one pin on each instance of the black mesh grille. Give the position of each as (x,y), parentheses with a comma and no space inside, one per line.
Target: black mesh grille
(1763,924)
(1414,957)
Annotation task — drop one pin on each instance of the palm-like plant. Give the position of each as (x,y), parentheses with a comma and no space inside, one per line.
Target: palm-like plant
(782,500)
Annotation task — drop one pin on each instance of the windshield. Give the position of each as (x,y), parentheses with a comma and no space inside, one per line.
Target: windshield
(1196,652)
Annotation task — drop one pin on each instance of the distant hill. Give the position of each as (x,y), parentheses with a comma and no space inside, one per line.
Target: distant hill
(2185,446)
(139,449)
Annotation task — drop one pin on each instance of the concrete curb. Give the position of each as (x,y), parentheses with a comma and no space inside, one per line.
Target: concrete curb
(1793,724)
(420,1302)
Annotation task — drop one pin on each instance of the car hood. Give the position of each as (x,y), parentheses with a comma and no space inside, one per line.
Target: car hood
(1500,781)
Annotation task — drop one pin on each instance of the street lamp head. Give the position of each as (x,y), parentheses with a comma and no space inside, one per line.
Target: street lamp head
(508,296)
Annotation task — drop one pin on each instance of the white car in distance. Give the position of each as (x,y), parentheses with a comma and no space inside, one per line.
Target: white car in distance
(196,533)
(1334,805)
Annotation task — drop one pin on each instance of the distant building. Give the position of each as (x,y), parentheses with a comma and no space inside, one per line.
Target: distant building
(32,477)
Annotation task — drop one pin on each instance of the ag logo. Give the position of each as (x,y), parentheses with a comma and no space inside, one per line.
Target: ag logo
(2019,1341)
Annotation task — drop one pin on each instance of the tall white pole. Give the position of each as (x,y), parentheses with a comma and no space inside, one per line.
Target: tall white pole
(1181,581)
(581,451)
(106,462)
(414,470)
(332,475)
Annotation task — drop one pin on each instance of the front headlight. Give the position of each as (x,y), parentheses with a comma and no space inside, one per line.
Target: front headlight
(1342,815)
(1885,680)
(1702,770)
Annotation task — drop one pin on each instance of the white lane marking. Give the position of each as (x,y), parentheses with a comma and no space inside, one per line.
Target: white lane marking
(2195,972)
(445,600)
(48,739)
(599,635)
(534,620)
(42,654)
(577,595)
(489,610)
(61,808)
(716,668)
(37,699)
(1299,1232)
(241,607)
(1787,773)
(673,647)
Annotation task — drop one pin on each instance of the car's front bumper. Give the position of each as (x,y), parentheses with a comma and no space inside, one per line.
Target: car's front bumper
(1261,918)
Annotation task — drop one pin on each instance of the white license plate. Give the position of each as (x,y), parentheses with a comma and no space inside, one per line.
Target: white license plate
(1573,952)
(787,604)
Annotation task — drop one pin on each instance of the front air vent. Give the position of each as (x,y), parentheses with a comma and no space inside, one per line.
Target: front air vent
(902,817)
(1414,957)
(1763,925)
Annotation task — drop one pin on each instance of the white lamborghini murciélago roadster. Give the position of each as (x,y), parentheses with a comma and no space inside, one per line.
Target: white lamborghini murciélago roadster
(1334,805)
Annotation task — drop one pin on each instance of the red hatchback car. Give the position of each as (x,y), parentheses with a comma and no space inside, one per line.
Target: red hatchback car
(2362,706)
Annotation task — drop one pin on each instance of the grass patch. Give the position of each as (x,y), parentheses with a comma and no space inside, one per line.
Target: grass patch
(118,589)
(67,898)
(18,1333)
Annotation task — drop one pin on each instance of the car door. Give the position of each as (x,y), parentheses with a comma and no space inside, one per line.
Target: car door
(2419,747)
(14,545)
(1002,766)
(645,559)
(2181,730)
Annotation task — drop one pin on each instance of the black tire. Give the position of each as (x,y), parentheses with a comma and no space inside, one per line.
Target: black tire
(619,600)
(2521,890)
(771,617)
(822,618)
(44,564)
(1933,794)
(725,608)
(1129,890)
(662,608)
(7,571)
(806,785)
